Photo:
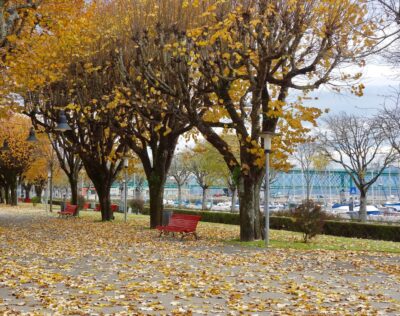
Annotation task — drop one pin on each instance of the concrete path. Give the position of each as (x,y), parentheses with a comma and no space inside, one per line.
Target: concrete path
(83,267)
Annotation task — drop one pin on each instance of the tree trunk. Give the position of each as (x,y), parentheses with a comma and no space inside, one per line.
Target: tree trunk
(39,191)
(156,191)
(179,195)
(363,206)
(14,199)
(204,202)
(51,193)
(246,198)
(233,200)
(257,212)
(73,182)
(103,191)
(7,194)
(308,191)
(2,200)
(27,189)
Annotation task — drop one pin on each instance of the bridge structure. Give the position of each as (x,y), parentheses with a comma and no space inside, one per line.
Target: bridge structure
(329,185)
(336,182)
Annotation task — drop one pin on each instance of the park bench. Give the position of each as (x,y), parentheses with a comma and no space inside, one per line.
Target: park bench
(114,208)
(181,223)
(69,211)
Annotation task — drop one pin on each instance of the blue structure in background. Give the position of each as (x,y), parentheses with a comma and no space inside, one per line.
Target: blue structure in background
(328,183)
(333,182)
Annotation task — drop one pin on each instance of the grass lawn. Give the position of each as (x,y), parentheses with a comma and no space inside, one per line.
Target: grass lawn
(293,240)
(279,238)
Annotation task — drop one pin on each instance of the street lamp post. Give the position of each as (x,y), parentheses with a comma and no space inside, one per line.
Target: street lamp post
(267,136)
(62,127)
(48,207)
(126,164)
(18,184)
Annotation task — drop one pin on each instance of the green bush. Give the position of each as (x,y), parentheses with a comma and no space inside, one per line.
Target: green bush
(363,230)
(214,217)
(137,206)
(330,227)
(291,213)
(36,200)
(146,210)
(309,219)
(283,223)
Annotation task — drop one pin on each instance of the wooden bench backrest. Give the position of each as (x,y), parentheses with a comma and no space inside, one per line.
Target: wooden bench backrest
(73,209)
(184,221)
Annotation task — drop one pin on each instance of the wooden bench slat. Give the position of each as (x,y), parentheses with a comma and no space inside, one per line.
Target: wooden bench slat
(181,223)
(70,210)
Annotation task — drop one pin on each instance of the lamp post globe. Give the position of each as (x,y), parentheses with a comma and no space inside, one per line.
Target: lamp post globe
(32,136)
(62,125)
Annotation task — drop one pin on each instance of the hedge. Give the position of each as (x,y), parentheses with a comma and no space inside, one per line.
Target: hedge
(334,228)
(362,230)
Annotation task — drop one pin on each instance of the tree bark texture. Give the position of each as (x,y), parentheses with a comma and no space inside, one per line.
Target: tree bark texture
(73,182)
(204,199)
(363,206)
(233,200)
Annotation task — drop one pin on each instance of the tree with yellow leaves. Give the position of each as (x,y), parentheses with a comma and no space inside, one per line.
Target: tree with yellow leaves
(180,172)
(25,29)
(15,156)
(176,64)
(64,71)
(44,161)
(207,168)
(15,18)
(91,136)
(236,67)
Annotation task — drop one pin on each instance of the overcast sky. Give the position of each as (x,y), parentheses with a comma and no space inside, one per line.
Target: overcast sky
(379,81)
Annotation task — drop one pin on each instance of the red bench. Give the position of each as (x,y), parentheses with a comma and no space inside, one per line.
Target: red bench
(114,208)
(69,211)
(181,223)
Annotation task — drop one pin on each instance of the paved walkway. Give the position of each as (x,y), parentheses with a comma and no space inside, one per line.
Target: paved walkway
(82,267)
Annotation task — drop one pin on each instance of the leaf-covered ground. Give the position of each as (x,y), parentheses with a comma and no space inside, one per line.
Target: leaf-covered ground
(85,267)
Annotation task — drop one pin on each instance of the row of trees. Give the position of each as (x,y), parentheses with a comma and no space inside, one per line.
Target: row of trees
(23,162)
(357,144)
(136,76)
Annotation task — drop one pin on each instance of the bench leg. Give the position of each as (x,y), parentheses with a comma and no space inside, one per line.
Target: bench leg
(196,236)
(182,236)
(161,232)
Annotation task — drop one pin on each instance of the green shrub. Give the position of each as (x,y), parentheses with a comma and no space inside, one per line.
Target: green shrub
(137,206)
(363,230)
(214,217)
(36,200)
(330,227)
(309,219)
(146,210)
(283,223)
